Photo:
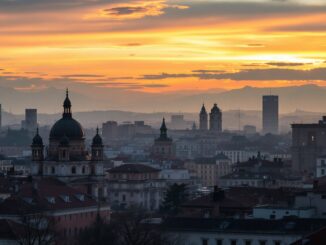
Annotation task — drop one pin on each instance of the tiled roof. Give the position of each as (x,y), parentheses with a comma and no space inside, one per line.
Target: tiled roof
(47,195)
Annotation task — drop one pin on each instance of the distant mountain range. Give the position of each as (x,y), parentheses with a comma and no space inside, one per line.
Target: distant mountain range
(297,104)
(306,98)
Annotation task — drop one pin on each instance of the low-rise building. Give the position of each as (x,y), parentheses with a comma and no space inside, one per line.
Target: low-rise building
(135,185)
(209,170)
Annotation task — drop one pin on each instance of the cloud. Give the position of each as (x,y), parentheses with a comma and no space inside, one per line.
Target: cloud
(124,10)
(286,64)
(318,74)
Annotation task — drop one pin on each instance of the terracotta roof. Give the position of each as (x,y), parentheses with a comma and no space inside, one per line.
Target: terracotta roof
(46,195)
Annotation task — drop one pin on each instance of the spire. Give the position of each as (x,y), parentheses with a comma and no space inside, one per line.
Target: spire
(163,130)
(67,105)
(203,109)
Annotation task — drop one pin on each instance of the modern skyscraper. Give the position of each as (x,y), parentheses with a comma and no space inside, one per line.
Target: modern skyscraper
(30,122)
(203,119)
(270,114)
(215,119)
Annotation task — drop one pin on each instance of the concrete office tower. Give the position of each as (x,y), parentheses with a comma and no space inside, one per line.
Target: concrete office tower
(270,114)
(110,130)
(203,119)
(30,122)
(215,119)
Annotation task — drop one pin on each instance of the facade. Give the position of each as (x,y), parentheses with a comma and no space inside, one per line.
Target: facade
(109,130)
(209,170)
(203,119)
(67,159)
(163,146)
(135,185)
(308,143)
(215,119)
(270,114)
(274,213)
(321,167)
(238,155)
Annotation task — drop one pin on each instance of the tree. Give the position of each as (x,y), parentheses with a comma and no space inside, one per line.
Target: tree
(174,197)
(38,229)
(132,227)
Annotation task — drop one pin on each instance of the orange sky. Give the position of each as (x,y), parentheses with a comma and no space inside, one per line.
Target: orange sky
(157,45)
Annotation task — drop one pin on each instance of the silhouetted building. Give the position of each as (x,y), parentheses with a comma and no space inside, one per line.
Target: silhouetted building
(163,145)
(203,119)
(270,114)
(110,130)
(215,119)
(30,122)
(308,143)
(67,158)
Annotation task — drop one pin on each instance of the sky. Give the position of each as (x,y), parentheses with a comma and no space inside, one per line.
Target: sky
(161,46)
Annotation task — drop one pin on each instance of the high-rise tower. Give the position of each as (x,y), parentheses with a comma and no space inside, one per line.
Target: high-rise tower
(203,119)
(270,114)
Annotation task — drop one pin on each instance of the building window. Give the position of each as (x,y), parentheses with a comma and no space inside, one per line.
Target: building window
(124,198)
(52,170)
(263,242)
(83,170)
(73,170)
(204,241)
(219,242)
(322,171)
(277,242)
(233,242)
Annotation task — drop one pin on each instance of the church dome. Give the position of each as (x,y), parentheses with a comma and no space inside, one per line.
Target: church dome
(64,141)
(67,126)
(215,109)
(97,140)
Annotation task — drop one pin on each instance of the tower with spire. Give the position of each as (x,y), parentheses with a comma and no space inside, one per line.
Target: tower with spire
(203,119)
(215,119)
(163,147)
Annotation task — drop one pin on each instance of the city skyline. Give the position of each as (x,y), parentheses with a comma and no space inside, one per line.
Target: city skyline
(160,46)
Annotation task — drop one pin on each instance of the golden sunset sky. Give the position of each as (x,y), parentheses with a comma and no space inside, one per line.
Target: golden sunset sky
(161,45)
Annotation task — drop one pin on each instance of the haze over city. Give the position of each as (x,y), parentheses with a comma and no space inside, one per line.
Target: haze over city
(162,122)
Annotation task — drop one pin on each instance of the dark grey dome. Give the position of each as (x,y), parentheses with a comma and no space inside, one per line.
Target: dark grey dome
(64,141)
(69,127)
(215,109)
(97,140)
(37,140)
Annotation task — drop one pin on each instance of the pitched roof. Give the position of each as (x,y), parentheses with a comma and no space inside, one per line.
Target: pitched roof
(46,194)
